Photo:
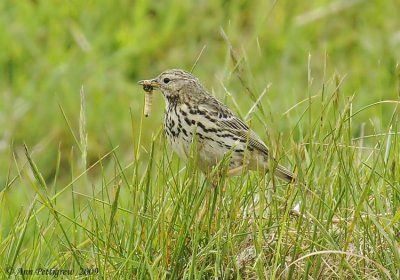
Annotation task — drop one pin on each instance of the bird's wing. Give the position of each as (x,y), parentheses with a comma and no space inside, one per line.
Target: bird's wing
(226,120)
(233,124)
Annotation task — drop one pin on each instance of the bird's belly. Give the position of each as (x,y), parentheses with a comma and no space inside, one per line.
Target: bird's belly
(178,134)
(211,144)
(180,146)
(208,150)
(212,152)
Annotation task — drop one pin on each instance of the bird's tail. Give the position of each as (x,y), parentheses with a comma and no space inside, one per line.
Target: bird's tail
(285,174)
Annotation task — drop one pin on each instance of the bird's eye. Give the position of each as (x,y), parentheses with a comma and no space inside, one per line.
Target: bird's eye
(166,80)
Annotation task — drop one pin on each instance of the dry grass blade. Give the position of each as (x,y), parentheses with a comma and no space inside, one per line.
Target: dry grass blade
(325,252)
(328,10)
(82,129)
(198,58)
(257,102)
(237,64)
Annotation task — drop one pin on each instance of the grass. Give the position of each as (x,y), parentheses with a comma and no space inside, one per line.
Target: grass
(92,190)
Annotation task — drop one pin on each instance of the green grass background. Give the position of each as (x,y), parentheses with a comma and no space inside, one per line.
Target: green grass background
(120,201)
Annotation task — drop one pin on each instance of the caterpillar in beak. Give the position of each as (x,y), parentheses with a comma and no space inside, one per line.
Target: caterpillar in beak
(148,99)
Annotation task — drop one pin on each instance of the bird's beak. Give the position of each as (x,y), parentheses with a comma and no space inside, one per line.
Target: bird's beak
(152,82)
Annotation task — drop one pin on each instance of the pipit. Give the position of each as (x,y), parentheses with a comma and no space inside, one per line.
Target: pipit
(192,113)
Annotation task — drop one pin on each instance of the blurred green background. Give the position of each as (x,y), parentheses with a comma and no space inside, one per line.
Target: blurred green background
(50,49)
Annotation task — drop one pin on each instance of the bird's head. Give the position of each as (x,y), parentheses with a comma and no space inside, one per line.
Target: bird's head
(176,84)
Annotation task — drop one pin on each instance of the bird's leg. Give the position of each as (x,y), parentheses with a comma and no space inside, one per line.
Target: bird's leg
(235,171)
(205,206)
(214,180)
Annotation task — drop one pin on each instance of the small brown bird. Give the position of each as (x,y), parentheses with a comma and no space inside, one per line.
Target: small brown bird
(191,110)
